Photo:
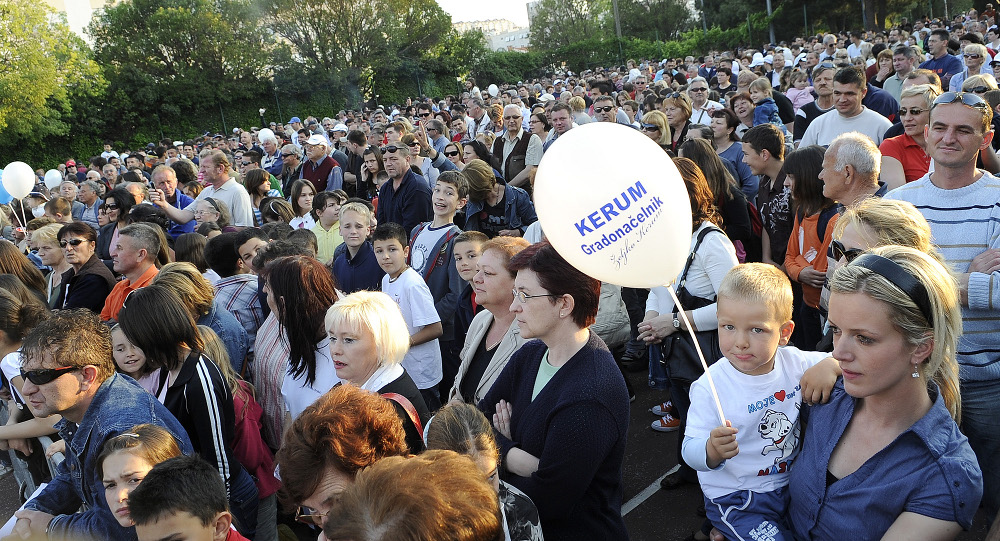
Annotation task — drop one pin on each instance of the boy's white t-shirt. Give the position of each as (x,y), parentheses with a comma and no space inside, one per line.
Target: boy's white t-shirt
(764,408)
(420,250)
(422,362)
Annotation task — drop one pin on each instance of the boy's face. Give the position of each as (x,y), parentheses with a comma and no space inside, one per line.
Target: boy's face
(749,335)
(183,526)
(354,228)
(330,212)
(391,256)
(445,199)
(466,255)
(248,250)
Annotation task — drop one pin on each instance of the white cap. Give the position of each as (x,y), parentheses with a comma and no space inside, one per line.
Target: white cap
(800,58)
(758,59)
(316,139)
(340,127)
(546,97)
(996,58)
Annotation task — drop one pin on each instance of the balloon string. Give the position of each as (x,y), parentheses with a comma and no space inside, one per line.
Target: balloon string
(701,356)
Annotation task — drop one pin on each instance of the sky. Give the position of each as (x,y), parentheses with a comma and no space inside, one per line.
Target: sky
(480,10)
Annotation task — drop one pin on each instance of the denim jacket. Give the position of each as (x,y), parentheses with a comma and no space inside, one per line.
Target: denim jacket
(230,331)
(119,404)
(518,210)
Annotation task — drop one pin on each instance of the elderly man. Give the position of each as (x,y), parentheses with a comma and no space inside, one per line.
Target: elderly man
(165,180)
(405,198)
(68,190)
(134,257)
(849,88)
(701,106)
(519,151)
(89,196)
(324,171)
(271,160)
(68,370)
(479,121)
(214,167)
(958,201)
(850,169)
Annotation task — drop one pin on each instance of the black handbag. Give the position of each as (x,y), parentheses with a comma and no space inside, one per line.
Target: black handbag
(679,353)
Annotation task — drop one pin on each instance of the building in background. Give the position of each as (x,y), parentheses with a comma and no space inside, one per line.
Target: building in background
(78,12)
(501,34)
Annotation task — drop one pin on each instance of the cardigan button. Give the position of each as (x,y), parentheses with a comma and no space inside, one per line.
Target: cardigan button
(957,484)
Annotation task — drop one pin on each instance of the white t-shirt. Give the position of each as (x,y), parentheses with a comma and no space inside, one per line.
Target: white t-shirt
(299,396)
(302,222)
(420,251)
(11,366)
(234,195)
(764,408)
(414,298)
(826,127)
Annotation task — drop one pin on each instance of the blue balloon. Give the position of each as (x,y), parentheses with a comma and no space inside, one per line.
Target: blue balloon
(4,196)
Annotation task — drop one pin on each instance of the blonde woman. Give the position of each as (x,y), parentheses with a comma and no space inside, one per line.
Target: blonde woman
(656,127)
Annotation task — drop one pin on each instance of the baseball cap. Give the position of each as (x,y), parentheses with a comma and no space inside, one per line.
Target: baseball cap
(316,139)
(294,120)
(71,163)
(340,127)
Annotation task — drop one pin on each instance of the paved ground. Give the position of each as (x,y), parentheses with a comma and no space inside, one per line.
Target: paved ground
(650,514)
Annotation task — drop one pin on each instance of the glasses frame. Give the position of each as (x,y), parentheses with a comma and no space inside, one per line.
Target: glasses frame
(841,252)
(46,375)
(519,295)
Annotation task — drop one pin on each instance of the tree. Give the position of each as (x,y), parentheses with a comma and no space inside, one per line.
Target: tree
(170,60)
(558,23)
(45,70)
(653,19)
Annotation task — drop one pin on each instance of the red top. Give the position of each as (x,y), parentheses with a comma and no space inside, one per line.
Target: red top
(904,148)
(235,536)
(248,446)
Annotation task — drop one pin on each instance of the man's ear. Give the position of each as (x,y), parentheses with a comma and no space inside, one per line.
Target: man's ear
(221,526)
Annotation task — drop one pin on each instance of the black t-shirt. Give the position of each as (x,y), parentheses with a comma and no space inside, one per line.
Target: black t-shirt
(492,219)
(480,361)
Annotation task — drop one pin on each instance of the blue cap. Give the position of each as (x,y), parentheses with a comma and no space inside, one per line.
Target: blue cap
(294,120)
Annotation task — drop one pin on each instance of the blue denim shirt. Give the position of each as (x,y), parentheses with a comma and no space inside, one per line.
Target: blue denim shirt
(230,331)
(929,470)
(519,212)
(119,404)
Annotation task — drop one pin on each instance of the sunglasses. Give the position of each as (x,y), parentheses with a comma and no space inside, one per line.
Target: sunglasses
(673,95)
(287,155)
(972,55)
(451,154)
(827,65)
(512,117)
(650,128)
(979,89)
(424,115)
(391,148)
(840,251)
(912,111)
(413,144)
(967,98)
(603,109)
(45,375)
(111,206)
(72,242)
(698,89)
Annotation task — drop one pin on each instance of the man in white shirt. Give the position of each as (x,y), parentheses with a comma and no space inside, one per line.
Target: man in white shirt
(849,89)
(214,165)
(701,106)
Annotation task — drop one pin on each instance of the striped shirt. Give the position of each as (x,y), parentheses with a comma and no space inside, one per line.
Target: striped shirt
(238,294)
(269,367)
(965,222)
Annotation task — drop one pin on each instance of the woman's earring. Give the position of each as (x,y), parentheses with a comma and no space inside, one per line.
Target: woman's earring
(916,373)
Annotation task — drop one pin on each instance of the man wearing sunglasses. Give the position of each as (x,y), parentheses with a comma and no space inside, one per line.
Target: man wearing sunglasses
(519,151)
(959,202)
(68,370)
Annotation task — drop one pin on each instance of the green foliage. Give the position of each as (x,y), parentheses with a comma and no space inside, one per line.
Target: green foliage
(561,23)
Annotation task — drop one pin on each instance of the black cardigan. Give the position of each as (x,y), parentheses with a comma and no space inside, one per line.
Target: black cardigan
(403,385)
(88,288)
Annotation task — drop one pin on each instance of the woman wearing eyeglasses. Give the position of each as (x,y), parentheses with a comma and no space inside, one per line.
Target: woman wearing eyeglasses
(210,209)
(89,281)
(904,158)
(560,407)
(655,126)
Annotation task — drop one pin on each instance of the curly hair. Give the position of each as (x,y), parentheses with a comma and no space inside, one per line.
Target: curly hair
(346,429)
(76,337)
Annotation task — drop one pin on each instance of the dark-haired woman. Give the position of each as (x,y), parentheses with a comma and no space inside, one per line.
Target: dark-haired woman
(89,282)
(561,381)
(299,291)
(727,146)
(156,321)
(812,232)
(118,202)
(729,200)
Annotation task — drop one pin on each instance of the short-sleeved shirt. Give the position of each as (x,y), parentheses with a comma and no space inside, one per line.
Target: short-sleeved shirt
(929,470)
(422,362)
(234,195)
(904,148)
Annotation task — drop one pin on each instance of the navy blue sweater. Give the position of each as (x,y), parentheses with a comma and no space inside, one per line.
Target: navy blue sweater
(357,273)
(577,427)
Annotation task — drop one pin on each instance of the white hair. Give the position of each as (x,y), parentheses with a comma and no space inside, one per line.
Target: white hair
(857,150)
(512,107)
(264,138)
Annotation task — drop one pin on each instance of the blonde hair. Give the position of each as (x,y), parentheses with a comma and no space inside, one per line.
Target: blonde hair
(681,101)
(215,349)
(577,103)
(928,92)
(759,283)
(979,79)
(357,207)
(888,221)
(193,290)
(48,234)
(377,314)
(660,120)
(942,293)
(761,85)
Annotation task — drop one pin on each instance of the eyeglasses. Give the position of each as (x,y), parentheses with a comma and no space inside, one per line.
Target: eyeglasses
(391,149)
(912,111)
(451,154)
(967,55)
(519,295)
(702,89)
(111,206)
(840,251)
(603,109)
(45,375)
(979,89)
(967,98)
(308,515)
(424,115)
(512,117)
(72,242)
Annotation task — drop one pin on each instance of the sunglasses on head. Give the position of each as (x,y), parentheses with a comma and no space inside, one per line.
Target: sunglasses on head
(45,375)
(840,251)
(391,149)
(967,98)
(979,89)
(72,242)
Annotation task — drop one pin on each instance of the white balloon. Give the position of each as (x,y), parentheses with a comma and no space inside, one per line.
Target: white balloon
(493,90)
(53,178)
(18,179)
(613,204)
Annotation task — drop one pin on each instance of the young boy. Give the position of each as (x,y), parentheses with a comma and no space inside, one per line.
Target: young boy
(182,498)
(766,111)
(423,361)
(356,268)
(326,212)
(468,247)
(431,251)
(760,391)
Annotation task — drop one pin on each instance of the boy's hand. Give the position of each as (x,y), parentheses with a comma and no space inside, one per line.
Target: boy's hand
(817,382)
(721,444)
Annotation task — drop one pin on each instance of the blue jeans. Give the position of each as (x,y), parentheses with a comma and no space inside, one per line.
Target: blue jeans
(981,424)
(749,515)
(243,503)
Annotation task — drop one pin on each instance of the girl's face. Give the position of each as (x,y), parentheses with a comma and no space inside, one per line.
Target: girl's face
(800,83)
(470,154)
(789,181)
(305,200)
(128,358)
(263,188)
(756,95)
(123,471)
(371,162)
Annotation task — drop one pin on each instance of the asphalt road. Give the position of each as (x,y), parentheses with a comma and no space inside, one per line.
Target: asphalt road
(651,514)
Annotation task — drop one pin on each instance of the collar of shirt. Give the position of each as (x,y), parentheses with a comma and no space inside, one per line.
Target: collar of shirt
(508,138)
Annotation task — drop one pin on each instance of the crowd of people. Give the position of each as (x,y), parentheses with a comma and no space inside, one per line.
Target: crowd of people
(354,325)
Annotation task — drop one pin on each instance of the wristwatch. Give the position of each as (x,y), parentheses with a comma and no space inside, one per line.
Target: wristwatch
(677,322)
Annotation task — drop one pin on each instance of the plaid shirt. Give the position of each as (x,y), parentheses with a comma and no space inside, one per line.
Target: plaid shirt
(238,294)
(269,366)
